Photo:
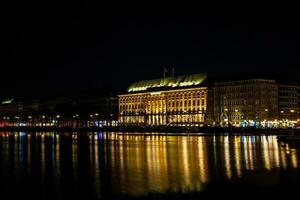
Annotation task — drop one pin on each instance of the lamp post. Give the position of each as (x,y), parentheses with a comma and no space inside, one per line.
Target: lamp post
(111,116)
(57,119)
(267,111)
(236,112)
(92,119)
(76,117)
(281,117)
(97,118)
(292,115)
(227,116)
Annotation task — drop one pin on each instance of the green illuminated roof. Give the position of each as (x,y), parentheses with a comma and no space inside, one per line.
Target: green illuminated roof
(7,101)
(177,81)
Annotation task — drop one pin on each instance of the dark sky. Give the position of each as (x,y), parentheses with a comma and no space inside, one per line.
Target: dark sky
(47,48)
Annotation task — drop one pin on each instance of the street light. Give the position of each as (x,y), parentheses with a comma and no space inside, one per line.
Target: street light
(267,110)
(226,120)
(57,116)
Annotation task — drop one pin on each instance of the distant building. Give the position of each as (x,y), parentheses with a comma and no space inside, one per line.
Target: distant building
(246,103)
(180,101)
(71,111)
(288,100)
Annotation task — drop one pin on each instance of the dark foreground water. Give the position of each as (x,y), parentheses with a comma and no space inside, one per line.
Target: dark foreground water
(111,165)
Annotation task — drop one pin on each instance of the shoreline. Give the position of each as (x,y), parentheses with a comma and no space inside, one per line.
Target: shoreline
(162,130)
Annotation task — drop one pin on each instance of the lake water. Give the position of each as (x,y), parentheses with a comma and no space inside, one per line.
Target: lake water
(114,165)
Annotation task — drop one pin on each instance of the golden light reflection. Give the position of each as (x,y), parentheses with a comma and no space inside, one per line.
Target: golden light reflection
(145,163)
(265,151)
(227,157)
(237,155)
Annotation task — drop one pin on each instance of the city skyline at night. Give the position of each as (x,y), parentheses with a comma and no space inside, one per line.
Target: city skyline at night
(149,101)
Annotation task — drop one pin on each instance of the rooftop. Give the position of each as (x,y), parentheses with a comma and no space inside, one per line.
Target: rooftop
(173,82)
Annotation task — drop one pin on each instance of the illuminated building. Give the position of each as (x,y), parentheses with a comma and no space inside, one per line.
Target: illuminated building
(180,100)
(251,102)
(288,101)
(88,110)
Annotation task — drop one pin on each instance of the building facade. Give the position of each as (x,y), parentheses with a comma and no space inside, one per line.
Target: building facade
(246,103)
(288,102)
(178,101)
(68,111)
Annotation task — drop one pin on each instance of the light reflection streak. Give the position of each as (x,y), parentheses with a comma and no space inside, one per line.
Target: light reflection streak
(141,164)
(227,157)
(265,151)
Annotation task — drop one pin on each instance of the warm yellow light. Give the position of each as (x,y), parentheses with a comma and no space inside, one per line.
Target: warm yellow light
(292,111)
(154,93)
(57,116)
(96,114)
(266,109)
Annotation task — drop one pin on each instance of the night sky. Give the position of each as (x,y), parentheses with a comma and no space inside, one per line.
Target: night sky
(51,48)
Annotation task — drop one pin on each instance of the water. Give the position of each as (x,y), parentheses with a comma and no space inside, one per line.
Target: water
(106,165)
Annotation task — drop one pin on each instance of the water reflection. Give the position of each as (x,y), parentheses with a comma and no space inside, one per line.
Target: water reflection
(101,164)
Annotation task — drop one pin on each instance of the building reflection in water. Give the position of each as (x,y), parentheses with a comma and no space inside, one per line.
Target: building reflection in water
(100,164)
